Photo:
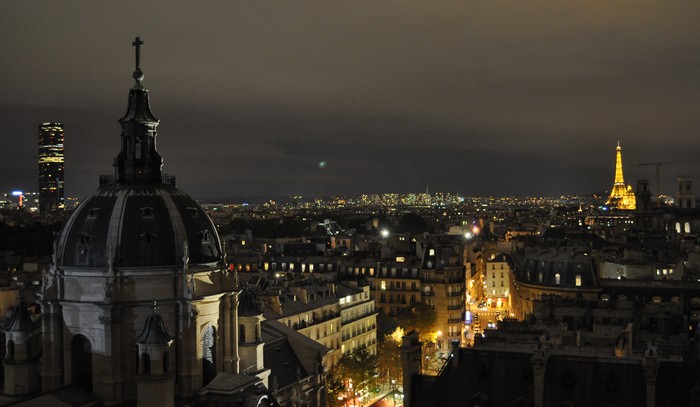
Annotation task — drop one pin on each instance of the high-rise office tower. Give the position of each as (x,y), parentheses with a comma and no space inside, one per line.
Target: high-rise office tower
(51,197)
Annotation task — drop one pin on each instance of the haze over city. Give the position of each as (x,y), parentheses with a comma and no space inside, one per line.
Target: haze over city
(318,98)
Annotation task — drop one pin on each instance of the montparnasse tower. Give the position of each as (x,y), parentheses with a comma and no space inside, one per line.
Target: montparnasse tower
(621,196)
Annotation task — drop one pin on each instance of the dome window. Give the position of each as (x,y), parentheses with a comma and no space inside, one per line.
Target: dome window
(93,212)
(84,238)
(147,237)
(147,213)
(192,211)
(204,236)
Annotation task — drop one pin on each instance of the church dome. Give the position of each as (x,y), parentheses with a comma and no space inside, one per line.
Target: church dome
(138,218)
(141,225)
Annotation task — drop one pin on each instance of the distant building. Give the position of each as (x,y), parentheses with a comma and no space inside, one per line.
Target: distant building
(497,280)
(443,285)
(51,197)
(621,196)
(685,197)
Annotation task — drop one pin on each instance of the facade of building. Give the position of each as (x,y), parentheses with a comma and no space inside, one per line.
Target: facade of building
(51,160)
(538,273)
(397,286)
(341,317)
(358,319)
(443,285)
(311,310)
(497,281)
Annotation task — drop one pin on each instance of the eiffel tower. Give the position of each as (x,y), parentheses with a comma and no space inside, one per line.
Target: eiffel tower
(621,196)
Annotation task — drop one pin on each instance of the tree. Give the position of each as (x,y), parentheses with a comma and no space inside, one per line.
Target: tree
(358,368)
(335,389)
(412,223)
(386,324)
(389,359)
(419,317)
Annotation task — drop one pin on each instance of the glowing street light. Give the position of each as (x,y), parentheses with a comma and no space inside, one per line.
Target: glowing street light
(384,233)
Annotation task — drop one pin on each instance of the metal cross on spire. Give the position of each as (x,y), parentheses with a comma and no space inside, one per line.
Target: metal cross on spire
(138,74)
(155,306)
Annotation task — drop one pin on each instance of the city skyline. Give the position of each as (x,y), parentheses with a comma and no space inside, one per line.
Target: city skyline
(321,99)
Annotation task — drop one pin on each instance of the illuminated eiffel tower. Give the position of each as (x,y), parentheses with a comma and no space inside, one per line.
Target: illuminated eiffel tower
(621,196)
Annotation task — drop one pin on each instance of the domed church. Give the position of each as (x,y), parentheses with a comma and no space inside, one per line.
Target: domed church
(138,304)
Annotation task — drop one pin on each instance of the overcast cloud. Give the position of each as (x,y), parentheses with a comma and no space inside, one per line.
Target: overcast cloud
(474,97)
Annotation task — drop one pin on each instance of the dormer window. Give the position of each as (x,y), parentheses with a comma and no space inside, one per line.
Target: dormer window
(204,236)
(146,213)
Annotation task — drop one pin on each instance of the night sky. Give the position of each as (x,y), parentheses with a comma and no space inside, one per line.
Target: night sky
(472,97)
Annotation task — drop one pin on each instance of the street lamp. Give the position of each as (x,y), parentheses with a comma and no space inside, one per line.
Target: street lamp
(384,233)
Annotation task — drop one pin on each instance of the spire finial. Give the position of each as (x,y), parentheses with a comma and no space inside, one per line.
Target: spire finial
(155,306)
(138,74)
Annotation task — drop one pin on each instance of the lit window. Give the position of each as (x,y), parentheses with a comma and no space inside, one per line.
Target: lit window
(431,252)
(557,278)
(578,280)
(383,285)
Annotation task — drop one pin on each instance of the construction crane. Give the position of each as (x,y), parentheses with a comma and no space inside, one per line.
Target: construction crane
(658,175)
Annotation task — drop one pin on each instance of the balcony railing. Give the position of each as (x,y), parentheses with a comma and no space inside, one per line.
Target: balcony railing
(317,320)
